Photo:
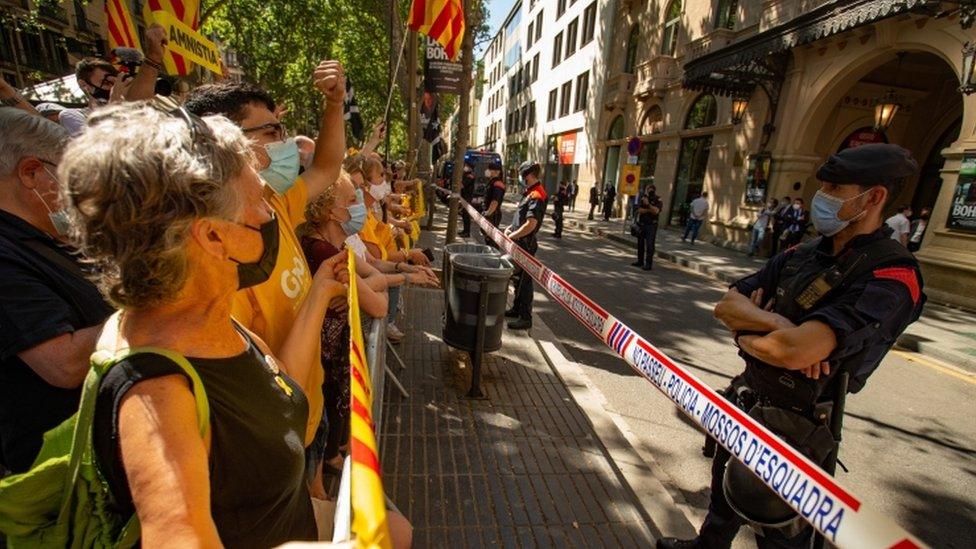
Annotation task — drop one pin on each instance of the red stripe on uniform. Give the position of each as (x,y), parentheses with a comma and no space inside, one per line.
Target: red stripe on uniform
(363,454)
(905,275)
(905,544)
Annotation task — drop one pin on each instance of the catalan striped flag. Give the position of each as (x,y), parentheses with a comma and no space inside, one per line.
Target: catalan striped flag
(187,11)
(122,32)
(367,499)
(442,20)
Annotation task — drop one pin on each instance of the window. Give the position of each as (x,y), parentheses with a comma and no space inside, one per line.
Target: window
(703,112)
(582,91)
(653,121)
(565,100)
(672,23)
(538,25)
(630,59)
(524,119)
(557,49)
(530,36)
(725,12)
(551,113)
(571,33)
(535,68)
(616,129)
(531,122)
(520,80)
(560,8)
(589,23)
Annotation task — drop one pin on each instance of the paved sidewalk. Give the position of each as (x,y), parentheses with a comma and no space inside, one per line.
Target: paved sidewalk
(943,332)
(520,468)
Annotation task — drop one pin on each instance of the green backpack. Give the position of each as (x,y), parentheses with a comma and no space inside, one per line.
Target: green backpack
(64,500)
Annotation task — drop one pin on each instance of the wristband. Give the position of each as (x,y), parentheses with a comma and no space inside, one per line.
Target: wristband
(154,64)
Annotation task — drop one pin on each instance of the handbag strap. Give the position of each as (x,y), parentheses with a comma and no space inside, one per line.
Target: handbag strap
(107,354)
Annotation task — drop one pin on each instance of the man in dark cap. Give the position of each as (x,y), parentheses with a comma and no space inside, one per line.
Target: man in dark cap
(526,223)
(815,316)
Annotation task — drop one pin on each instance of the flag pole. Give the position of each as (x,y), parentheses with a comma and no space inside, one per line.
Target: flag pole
(461,145)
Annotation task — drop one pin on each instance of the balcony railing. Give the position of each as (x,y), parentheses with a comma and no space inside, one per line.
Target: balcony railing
(52,11)
(715,40)
(655,75)
(617,90)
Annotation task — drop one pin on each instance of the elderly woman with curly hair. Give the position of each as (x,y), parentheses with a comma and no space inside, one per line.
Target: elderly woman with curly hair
(170,209)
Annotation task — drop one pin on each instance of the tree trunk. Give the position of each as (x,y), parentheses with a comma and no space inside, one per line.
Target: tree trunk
(461,146)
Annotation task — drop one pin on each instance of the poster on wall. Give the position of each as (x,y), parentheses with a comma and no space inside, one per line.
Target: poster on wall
(566,144)
(962,213)
(758,177)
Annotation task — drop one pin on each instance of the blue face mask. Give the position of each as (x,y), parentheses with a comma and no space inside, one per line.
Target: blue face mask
(357,216)
(285,163)
(824,210)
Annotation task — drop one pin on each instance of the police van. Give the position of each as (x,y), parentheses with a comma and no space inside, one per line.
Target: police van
(479,162)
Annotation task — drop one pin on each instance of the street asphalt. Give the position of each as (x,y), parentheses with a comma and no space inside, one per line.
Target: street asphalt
(910,434)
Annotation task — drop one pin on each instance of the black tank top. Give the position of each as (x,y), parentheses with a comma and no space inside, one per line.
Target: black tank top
(258,493)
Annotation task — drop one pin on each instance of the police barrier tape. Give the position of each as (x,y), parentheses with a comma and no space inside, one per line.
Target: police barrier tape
(834,511)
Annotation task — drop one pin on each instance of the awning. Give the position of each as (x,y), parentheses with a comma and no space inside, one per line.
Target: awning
(739,66)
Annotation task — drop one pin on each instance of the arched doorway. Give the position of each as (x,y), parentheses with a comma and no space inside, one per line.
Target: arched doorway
(651,123)
(690,178)
(930,178)
(611,162)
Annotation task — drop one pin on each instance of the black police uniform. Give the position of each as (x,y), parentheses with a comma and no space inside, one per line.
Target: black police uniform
(559,206)
(533,204)
(647,224)
(496,193)
(467,193)
(867,294)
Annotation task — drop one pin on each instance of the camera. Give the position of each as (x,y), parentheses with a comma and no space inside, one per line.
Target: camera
(130,58)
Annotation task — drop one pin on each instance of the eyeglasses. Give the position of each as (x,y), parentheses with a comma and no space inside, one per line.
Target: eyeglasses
(201,136)
(278,127)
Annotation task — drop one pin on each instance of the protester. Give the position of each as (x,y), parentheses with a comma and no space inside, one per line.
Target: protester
(573,192)
(273,309)
(698,212)
(559,201)
(609,195)
(594,200)
(900,224)
(324,239)
(98,79)
(51,312)
(779,223)
(170,210)
(51,111)
(760,225)
(795,222)
(918,229)
(648,211)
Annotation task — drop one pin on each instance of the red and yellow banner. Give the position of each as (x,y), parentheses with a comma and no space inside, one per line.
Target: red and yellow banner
(442,20)
(122,32)
(186,46)
(367,500)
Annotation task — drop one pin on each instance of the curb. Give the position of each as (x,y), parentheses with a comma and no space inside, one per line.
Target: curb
(663,509)
(907,341)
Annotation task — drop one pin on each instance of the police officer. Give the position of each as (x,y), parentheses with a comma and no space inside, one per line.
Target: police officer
(467,193)
(496,195)
(834,304)
(559,206)
(525,224)
(648,210)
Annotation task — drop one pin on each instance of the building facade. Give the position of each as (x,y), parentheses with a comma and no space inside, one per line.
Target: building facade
(41,49)
(537,101)
(810,75)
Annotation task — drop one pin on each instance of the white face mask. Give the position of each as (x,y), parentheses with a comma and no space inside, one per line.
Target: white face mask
(59,218)
(381,191)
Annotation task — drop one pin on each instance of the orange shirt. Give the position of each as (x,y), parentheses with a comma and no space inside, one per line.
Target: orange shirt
(269,309)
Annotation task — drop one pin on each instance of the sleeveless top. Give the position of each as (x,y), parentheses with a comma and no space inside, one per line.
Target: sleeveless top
(258,494)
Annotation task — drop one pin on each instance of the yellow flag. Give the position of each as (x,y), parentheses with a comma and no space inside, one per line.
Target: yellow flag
(368,502)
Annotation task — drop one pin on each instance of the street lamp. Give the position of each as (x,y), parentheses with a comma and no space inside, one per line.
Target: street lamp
(967,84)
(739,105)
(885,110)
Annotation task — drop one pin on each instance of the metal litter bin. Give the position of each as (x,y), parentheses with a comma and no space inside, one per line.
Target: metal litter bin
(475,314)
(454,249)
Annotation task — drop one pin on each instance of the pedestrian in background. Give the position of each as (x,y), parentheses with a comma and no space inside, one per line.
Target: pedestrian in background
(760,226)
(573,193)
(900,224)
(609,195)
(796,220)
(559,205)
(917,231)
(594,200)
(648,210)
(779,224)
(696,216)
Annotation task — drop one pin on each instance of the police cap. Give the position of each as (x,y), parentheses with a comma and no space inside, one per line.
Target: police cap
(529,167)
(871,164)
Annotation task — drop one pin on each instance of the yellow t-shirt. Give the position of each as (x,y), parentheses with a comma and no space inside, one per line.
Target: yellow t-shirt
(372,232)
(269,309)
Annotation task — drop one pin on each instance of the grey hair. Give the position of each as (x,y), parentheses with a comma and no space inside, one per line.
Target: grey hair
(23,134)
(136,181)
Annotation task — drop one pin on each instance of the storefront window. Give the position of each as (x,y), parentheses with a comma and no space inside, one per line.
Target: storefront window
(690,178)
(758,178)
(703,112)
